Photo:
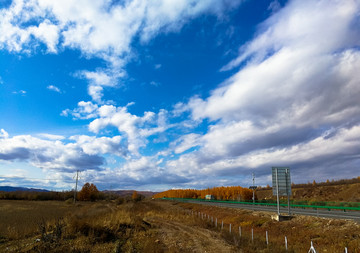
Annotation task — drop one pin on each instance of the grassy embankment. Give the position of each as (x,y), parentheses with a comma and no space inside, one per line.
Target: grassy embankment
(160,226)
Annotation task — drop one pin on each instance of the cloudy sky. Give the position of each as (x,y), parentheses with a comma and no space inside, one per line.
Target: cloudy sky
(152,95)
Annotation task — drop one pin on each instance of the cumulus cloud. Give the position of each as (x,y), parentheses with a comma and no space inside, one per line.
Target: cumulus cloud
(101,29)
(101,145)
(135,128)
(48,154)
(53,152)
(140,173)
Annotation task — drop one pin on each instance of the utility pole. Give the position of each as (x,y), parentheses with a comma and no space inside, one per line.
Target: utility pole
(253,187)
(253,175)
(77,178)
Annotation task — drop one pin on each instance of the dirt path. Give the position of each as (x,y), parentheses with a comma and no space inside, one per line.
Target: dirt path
(181,237)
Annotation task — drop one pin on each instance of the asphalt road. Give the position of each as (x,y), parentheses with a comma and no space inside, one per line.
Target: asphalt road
(325,213)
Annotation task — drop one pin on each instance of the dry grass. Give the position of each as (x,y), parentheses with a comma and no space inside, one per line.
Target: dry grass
(161,226)
(328,235)
(337,193)
(21,218)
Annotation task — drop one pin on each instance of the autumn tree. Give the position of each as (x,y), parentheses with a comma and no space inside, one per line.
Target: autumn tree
(136,196)
(220,193)
(88,192)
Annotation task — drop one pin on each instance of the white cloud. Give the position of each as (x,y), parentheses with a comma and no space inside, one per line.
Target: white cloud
(100,29)
(186,142)
(136,129)
(322,151)
(48,154)
(47,33)
(101,145)
(21,92)
(52,137)
(309,78)
(85,110)
(53,88)
(274,6)
(3,134)
(56,153)
(299,80)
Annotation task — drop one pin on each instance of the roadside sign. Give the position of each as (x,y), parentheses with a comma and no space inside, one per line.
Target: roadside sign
(284,182)
(253,187)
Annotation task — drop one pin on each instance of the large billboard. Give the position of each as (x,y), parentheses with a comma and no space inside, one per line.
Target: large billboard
(284,182)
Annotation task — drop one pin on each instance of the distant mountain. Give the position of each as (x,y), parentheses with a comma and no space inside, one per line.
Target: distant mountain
(124,193)
(13,189)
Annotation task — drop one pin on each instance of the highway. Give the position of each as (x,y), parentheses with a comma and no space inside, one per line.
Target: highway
(324,213)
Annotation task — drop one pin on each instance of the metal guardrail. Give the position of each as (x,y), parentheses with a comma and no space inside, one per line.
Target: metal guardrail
(270,204)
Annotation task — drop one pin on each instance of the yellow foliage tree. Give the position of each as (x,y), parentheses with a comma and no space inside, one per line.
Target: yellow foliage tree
(220,193)
(88,192)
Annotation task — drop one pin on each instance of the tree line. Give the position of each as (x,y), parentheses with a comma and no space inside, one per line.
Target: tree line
(220,193)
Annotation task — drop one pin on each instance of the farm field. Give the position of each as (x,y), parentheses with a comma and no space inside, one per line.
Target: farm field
(161,226)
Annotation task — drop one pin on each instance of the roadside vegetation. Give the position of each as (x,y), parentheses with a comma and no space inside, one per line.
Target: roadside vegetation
(144,225)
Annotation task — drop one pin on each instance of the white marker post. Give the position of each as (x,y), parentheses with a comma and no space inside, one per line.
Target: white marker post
(267,238)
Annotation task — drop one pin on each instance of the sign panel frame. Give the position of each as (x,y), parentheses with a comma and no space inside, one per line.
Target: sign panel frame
(283,181)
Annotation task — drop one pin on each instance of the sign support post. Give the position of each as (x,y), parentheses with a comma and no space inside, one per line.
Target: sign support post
(281,185)
(287,189)
(277,191)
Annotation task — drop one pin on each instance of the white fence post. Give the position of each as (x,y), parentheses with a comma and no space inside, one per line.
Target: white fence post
(222,225)
(252,234)
(286,243)
(267,238)
(240,231)
(230,228)
(346,250)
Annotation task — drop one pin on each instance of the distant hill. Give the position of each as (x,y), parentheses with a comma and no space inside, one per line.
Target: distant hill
(124,193)
(13,189)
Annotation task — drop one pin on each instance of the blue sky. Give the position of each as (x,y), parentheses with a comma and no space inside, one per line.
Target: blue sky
(152,95)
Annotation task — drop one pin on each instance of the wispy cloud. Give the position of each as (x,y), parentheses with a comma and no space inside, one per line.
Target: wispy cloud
(54,88)
(20,92)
